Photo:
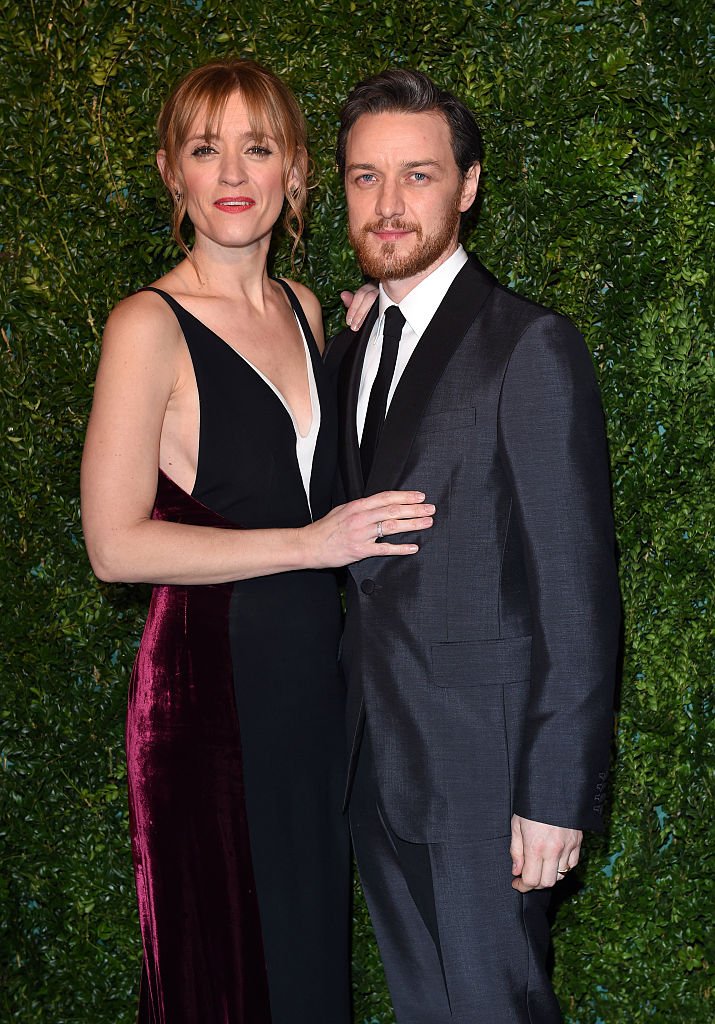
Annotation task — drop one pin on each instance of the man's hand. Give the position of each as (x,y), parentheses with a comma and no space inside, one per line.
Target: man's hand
(541,854)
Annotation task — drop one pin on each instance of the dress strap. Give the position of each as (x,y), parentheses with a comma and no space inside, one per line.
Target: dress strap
(297,309)
(169,299)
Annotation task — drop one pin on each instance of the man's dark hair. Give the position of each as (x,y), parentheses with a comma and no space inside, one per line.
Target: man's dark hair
(410,92)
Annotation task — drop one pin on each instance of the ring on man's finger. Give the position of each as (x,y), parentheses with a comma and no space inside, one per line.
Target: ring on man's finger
(562,871)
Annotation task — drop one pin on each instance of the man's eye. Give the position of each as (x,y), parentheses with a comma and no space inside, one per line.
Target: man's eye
(366,178)
(420,176)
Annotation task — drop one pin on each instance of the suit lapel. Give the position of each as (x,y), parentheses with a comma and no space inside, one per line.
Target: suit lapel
(457,311)
(348,389)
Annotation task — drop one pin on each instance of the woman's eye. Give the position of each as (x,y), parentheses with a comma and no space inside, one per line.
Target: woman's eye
(203,150)
(257,150)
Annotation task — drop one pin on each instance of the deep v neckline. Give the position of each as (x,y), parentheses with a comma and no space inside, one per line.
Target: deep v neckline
(276,391)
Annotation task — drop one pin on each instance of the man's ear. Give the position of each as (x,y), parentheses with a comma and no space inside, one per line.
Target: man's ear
(470,185)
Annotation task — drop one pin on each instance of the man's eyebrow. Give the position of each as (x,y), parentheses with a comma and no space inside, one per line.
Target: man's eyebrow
(407,165)
(411,164)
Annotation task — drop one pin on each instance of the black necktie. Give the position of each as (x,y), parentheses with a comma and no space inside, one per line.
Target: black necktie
(377,406)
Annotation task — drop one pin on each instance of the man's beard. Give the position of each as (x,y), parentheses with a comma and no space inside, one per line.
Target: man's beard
(385,263)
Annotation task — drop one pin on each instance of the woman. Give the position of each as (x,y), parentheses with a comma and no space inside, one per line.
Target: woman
(211,380)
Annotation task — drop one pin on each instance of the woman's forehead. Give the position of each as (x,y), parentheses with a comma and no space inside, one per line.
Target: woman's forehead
(230,114)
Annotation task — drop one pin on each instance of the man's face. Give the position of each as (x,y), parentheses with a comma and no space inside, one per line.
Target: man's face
(405,194)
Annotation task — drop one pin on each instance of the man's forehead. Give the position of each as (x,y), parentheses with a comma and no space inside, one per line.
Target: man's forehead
(408,137)
(402,120)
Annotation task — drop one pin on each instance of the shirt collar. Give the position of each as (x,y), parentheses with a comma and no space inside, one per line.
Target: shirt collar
(421,304)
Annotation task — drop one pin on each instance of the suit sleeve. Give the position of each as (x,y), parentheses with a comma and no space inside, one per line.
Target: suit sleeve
(553,446)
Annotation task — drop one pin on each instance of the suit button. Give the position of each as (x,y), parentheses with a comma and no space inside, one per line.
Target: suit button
(367,586)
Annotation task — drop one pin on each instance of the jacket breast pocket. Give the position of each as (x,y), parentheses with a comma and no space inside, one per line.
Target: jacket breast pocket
(448,420)
(481,662)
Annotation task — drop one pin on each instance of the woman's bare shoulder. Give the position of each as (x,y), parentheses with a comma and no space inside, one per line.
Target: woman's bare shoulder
(311,308)
(141,317)
(305,296)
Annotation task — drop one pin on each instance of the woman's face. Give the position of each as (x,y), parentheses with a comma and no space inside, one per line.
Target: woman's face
(232,181)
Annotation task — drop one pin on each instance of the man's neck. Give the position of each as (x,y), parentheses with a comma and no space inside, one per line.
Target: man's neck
(397,290)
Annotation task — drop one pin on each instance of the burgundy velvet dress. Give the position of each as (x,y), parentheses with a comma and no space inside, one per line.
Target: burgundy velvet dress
(235,743)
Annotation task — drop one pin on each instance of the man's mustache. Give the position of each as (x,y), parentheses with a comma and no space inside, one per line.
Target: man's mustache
(391,225)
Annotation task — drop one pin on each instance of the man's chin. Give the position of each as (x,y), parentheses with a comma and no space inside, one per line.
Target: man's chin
(387,263)
(397,261)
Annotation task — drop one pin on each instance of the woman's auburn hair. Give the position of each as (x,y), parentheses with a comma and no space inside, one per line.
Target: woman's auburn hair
(272,109)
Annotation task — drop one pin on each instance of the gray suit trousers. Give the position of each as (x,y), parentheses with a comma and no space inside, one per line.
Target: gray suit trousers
(459,945)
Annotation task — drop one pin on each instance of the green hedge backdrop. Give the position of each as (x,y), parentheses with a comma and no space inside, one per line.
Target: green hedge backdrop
(597,200)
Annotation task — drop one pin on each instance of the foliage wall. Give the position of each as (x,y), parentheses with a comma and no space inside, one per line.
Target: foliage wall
(597,200)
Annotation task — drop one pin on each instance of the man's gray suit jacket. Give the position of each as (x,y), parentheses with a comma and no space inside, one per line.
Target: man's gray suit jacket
(483,666)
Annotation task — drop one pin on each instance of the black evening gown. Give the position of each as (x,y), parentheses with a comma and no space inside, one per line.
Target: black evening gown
(235,741)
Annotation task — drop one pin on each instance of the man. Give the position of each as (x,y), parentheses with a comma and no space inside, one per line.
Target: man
(480,671)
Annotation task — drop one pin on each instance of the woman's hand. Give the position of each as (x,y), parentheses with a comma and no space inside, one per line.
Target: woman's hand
(349,532)
(358,305)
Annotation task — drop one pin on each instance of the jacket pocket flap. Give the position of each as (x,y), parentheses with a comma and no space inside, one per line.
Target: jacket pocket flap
(481,662)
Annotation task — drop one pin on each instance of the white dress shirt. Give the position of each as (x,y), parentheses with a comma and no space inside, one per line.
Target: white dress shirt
(418,307)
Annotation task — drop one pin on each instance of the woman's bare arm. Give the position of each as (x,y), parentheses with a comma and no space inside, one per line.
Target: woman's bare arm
(138,377)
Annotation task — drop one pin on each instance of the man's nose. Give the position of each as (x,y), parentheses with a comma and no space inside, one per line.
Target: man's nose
(390,202)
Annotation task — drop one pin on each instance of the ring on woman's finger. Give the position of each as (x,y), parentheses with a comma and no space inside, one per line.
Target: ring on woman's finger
(562,871)
(380,533)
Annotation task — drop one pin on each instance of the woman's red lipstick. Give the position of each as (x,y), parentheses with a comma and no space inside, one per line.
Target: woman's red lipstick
(234,204)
